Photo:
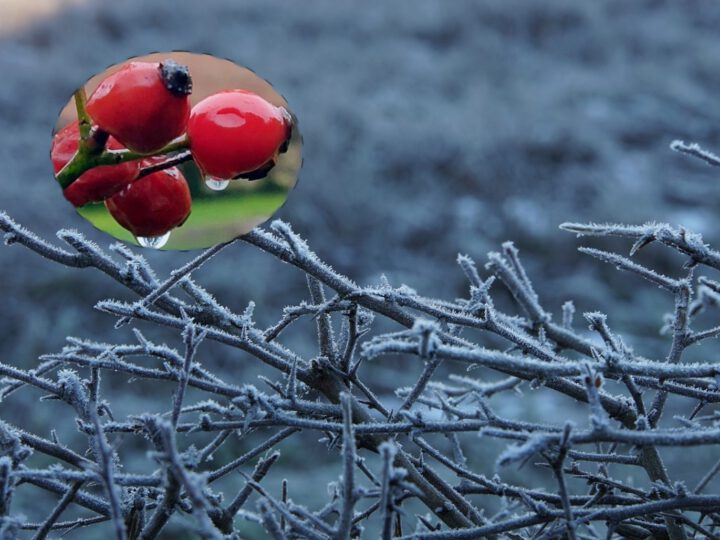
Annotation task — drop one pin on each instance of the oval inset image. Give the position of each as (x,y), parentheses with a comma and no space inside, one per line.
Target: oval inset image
(176,150)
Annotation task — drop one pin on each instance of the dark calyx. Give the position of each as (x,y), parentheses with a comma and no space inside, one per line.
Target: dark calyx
(176,77)
(257,174)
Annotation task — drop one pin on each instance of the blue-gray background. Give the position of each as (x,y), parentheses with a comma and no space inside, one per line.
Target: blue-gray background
(430,127)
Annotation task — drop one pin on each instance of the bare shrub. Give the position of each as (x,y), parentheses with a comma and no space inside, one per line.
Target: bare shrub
(408,462)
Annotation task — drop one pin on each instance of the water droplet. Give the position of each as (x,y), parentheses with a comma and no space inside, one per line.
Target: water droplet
(216,184)
(154,242)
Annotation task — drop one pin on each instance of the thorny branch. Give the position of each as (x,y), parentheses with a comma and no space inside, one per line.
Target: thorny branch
(421,444)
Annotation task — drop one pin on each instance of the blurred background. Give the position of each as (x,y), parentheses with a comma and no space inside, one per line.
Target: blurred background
(430,128)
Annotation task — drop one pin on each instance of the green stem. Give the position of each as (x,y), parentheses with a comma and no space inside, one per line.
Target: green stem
(85,160)
(91,147)
(84,121)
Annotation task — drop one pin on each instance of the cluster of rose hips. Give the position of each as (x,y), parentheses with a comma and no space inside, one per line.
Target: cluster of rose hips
(138,115)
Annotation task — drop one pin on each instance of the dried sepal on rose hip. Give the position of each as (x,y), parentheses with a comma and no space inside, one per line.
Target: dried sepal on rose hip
(154,204)
(144,105)
(237,132)
(98,183)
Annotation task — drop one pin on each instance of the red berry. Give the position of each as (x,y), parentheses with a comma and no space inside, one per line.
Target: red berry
(98,183)
(235,132)
(153,204)
(144,105)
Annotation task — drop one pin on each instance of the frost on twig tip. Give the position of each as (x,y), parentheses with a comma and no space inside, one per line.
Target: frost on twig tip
(695,150)
(296,244)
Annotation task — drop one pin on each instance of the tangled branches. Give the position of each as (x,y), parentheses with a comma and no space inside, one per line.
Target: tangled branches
(412,449)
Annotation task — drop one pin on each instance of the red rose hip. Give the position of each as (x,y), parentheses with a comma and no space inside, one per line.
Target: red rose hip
(144,105)
(98,183)
(152,205)
(235,132)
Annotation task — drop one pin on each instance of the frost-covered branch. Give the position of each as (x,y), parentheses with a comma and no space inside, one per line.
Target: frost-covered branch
(413,436)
